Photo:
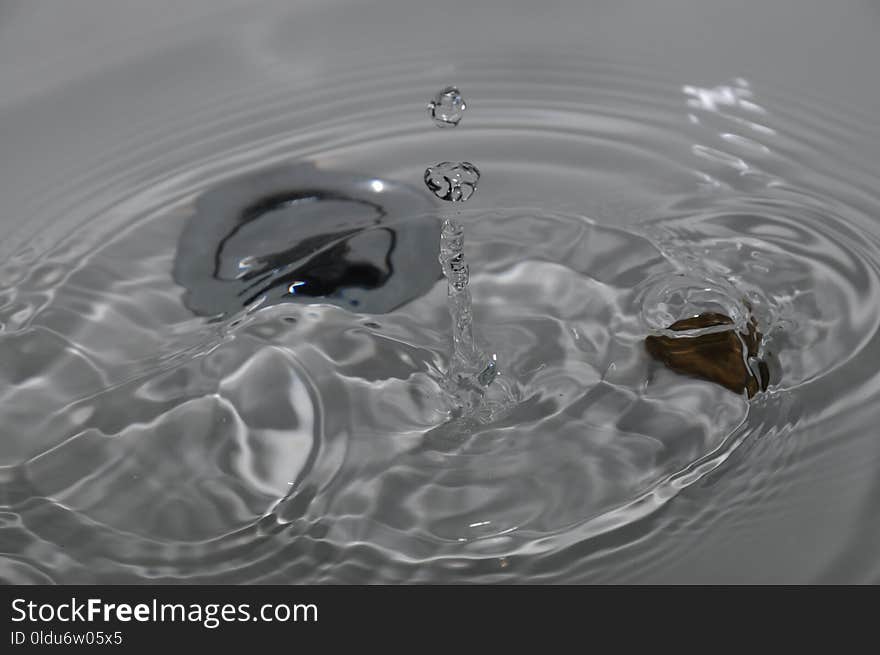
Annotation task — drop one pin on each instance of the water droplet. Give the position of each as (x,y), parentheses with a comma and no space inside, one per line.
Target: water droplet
(452,181)
(447,107)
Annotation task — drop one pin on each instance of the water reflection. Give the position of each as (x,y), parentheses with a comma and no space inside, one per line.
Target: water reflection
(297,232)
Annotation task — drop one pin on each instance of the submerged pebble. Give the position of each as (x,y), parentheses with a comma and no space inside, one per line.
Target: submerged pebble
(717,356)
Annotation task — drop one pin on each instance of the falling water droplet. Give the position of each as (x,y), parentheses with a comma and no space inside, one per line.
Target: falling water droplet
(452,181)
(447,107)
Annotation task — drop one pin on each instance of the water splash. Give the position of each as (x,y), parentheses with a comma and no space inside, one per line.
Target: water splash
(447,107)
(330,405)
(471,369)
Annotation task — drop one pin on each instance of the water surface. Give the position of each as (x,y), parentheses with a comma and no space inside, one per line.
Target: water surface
(158,430)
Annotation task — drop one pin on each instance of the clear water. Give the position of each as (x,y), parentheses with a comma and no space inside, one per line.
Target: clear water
(160,424)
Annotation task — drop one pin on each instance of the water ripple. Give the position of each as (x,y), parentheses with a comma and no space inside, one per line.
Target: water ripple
(294,442)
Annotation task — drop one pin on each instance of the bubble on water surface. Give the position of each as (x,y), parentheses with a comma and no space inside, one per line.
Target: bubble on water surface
(452,181)
(447,107)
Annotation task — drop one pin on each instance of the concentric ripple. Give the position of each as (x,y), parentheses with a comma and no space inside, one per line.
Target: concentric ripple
(304,442)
